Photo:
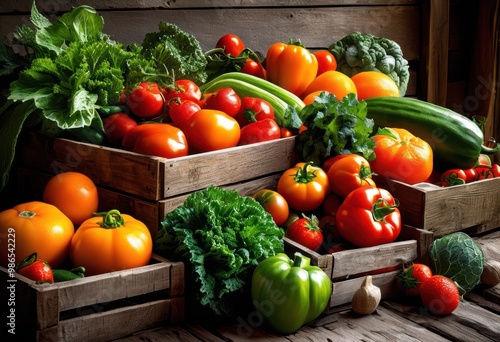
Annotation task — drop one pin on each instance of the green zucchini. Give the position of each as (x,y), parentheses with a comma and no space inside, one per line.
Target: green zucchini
(455,139)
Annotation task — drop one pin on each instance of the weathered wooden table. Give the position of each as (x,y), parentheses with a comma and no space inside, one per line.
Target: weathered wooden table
(477,318)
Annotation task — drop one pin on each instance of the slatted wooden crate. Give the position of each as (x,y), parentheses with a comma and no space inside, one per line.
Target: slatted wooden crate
(95,308)
(348,268)
(472,207)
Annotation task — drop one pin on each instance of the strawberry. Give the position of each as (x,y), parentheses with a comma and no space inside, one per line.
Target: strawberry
(439,295)
(412,278)
(35,269)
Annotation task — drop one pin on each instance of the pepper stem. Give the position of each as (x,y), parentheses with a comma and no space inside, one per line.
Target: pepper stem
(381,209)
(111,219)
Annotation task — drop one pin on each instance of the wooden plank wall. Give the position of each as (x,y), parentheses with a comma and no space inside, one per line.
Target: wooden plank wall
(260,23)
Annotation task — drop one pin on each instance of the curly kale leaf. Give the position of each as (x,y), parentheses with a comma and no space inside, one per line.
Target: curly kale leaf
(335,127)
(458,257)
(221,236)
(176,51)
(359,52)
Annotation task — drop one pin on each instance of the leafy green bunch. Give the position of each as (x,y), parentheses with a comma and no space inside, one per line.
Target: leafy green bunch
(221,236)
(335,127)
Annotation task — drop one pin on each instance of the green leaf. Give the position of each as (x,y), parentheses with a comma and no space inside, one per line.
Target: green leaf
(12,118)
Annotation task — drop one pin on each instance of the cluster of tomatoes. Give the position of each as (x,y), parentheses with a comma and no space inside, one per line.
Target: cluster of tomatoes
(64,230)
(174,122)
(333,207)
(484,170)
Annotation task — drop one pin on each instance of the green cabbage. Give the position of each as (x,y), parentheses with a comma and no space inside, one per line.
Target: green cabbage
(458,257)
(221,237)
(359,52)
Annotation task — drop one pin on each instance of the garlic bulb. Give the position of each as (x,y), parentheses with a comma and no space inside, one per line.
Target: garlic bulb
(366,299)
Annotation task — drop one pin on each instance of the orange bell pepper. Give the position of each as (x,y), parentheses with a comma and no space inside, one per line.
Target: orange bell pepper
(291,66)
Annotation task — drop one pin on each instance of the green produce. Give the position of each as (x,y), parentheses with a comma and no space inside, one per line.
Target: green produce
(456,141)
(335,127)
(284,103)
(289,294)
(458,257)
(359,52)
(221,237)
(65,275)
(177,52)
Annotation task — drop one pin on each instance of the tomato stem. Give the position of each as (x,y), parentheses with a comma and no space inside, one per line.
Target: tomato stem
(303,175)
(111,219)
(27,261)
(27,214)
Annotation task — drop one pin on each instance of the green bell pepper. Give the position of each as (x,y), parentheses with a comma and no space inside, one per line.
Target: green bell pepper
(289,294)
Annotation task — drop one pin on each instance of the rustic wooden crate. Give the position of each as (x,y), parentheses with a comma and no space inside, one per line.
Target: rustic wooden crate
(151,213)
(156,178)
(472,207)
(97,308)
(348,268)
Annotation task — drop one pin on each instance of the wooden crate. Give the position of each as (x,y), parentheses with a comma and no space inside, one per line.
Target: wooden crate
(348,268)
(151,213)
(473,207)
(96,308)
(155,178)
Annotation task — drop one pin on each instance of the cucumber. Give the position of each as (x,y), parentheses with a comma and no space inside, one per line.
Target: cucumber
(65,275)
(456,140)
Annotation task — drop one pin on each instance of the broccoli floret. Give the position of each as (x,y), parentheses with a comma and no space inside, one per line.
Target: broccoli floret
(359,52)
(176,51)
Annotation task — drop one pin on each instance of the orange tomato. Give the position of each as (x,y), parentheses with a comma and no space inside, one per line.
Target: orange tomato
(374,83)
(274,204)
(110,243)
(74,193)
(333,82)
(304,186)
(402,156)
(34,227)
(210,130)
(349,173)
(311,97)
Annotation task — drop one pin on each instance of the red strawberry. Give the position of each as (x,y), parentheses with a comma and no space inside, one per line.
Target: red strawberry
(35,269)
(440,295)
(413,277)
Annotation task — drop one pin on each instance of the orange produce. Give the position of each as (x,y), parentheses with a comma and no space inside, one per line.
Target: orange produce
(74,194)
(34,227)
(333,82)
(374,83)
(402,156)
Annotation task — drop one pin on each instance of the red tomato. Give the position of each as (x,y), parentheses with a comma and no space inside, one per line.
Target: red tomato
(453,177)
(210,130)
(286,133)
(181,110)
(146,100)
(402,156)
(304,186)
(253,68)
(186,90)
(274,204)
(231,43)
(116,126)
(326,61)
(331,204)
(226,100)
(440,295)
(413,276)
(495,169)
(369,217)
(328,162)
(348,173)
(258,131)
(484,172)
(254,109)
(35,269)
(306,232)
(470,175)
(162,140)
